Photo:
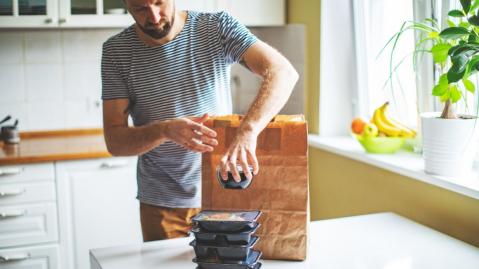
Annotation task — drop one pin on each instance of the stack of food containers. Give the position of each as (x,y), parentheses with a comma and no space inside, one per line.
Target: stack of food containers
(225,240)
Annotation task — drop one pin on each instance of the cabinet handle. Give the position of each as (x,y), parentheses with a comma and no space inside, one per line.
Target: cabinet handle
(113,164)
(11,193)
(13,213)
(11,171)
(48,20)
(62,20)
(14,257)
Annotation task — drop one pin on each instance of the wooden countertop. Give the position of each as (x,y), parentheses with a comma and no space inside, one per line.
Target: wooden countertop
(47,146)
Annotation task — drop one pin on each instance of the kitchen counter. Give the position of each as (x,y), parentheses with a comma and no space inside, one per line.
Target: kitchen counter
(383,240)
(55,146)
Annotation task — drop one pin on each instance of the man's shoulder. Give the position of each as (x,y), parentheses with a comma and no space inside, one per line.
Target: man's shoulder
(207,17)
(120,39)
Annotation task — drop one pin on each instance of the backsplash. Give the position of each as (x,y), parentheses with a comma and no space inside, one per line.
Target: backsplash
(51,79)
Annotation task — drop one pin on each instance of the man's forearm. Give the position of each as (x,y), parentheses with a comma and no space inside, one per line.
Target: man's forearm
(129,141)
(277,85)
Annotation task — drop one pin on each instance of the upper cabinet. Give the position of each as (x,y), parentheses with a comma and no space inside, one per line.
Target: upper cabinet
(111,13)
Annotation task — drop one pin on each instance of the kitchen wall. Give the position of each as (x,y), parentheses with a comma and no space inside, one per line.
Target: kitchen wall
(51,78)
(342,187)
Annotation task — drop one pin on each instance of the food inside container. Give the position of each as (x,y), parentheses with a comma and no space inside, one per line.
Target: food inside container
(224,238)
(226,221)
(223,252)
(213,263)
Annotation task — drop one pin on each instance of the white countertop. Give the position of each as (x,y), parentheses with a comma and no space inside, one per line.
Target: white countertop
(383,240)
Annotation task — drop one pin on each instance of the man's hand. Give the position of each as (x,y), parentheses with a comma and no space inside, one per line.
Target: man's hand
(243,151)
(190,133)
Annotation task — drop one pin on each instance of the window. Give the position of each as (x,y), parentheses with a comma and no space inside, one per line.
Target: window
(409,90)
(376,21)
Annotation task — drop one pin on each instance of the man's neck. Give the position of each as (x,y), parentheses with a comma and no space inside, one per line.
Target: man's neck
(180,20)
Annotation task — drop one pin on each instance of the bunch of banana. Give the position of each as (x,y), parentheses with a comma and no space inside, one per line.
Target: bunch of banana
(389,126)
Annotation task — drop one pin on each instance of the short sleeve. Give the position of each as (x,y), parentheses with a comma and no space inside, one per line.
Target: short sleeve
(113,86)
(234,37)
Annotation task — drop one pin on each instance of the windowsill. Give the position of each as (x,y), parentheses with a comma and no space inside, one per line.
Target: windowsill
(404,163)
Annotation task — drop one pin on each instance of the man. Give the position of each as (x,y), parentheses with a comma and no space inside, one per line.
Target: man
(169,66)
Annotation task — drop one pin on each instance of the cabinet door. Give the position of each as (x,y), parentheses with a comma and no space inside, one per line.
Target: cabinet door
(25,224)
(254,12)
(41,257)
(93,13)
(28,13)
(97,207)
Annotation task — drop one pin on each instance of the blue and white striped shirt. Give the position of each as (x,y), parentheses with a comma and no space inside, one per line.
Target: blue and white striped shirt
(188,76)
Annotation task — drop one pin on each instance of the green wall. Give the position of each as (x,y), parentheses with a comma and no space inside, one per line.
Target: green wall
(342,187)
(307,12)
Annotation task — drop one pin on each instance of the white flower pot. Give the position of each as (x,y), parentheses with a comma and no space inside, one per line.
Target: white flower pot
(448,145)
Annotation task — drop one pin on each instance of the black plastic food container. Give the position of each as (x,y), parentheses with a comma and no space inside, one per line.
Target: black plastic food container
(250,263)
(230,183)
(226,221)
(230,252)
(257,266)
(224,238)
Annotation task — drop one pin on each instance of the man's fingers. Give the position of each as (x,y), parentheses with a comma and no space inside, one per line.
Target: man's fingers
(201,119)
(232,166)
(224,168)
(208,140)
(203,129)
(254,161)
(244,164)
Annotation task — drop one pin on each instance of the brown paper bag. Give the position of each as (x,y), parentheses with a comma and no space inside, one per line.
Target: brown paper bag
(280,190)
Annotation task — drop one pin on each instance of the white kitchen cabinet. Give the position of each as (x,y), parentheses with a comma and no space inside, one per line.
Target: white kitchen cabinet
(111,13)
(37,257)
(97,207)
(25,224)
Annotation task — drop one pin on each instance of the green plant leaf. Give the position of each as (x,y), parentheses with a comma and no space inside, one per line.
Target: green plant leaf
(443,80)
(433,34)
(439,89)
(459,64)
(466,5)
(464,24)
(450,23)
(474,20)
(469,85)
(455,93)
(474,5)
(456,13)
(454,33)
(445,96)
(439,52)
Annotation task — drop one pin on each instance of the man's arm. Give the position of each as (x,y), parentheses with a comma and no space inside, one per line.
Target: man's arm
(279,78)
(122,140)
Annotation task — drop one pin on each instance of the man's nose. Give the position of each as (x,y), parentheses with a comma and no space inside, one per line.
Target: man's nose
(154,14)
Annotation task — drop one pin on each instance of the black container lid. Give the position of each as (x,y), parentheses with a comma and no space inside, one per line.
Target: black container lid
(252,242)
(252,259)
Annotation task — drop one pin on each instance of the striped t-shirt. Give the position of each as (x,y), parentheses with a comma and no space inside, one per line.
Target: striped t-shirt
(188,76)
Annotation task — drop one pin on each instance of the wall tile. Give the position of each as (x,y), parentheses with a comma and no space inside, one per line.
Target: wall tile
(82,80)
(84,45)
(45,115)
(11,47)
(84,113)
(44,82)
(12,83)
(42,46)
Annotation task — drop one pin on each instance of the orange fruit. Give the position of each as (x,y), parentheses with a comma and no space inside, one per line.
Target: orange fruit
(357,125)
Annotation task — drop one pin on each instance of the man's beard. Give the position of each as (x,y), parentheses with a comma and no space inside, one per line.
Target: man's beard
(154,33)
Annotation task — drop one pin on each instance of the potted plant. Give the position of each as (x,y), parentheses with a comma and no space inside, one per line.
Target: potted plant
(448,138)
